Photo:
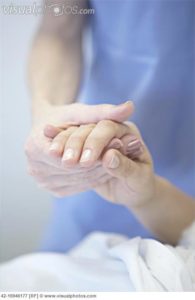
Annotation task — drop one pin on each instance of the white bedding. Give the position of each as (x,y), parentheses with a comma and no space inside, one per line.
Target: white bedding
(106,263)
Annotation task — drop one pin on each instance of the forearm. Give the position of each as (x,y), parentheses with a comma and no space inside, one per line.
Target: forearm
(169,213)
(55,63)
(55,69)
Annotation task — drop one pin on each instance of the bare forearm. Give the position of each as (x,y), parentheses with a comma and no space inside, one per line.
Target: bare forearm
(55,69)
(55,62)
(169,213)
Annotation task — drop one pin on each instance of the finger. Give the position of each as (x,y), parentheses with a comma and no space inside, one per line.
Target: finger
(74,144)
(99,138)
(96,113)
(58,143)
(130,173)
(128,145)
(135,140)
(56,164)
(131,145)
(91,114)
(115,144)
(119,166)
(51,131)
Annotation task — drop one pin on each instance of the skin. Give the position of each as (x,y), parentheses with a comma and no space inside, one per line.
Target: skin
(98,139)
(38,152)
(93,140)
(54,80)
(61,181)
(132,182)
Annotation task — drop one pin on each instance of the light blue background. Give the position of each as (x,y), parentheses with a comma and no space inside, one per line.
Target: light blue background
(142,50)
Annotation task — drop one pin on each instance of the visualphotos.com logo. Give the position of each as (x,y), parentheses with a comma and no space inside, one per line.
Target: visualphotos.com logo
(36,9)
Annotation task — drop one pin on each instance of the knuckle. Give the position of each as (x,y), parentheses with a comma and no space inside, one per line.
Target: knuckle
(75,140)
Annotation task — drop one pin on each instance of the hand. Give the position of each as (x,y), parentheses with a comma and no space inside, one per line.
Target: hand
(133,181)
(85,145)
(48,170)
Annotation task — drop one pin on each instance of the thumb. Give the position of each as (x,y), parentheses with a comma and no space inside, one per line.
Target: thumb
(83,114)
(118,165)
(51,131)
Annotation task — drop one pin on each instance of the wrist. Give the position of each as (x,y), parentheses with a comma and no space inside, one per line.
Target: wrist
(43,112)
(40,110)
(148,197)
(160,187)
(155,193)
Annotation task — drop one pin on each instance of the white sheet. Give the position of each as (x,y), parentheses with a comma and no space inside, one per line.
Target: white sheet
(106,263)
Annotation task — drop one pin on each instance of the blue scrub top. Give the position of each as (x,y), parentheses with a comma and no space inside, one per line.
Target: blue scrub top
(142,50)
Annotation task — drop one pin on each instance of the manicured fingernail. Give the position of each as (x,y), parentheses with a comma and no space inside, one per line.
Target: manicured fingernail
(116,143)
(54,147)
(114,163)
(134,144)
(135,152)
(69,154)
(86,155)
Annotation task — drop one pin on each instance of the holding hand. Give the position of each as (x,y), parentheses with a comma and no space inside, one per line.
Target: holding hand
(48,170)
(121,151)
(133,180)
(86,144)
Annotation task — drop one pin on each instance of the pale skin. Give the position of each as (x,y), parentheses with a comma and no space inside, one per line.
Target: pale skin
(54,81)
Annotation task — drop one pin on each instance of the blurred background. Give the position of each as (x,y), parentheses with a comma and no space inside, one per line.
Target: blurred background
(24,209)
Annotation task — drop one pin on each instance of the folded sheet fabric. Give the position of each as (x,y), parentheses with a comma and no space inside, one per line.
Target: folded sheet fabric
(107,263)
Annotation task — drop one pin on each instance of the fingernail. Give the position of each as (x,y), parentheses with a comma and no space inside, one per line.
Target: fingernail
(86,155)
(133,144)
(54,147)
(114,163)
(135,152)
(69,154)
(116,143)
